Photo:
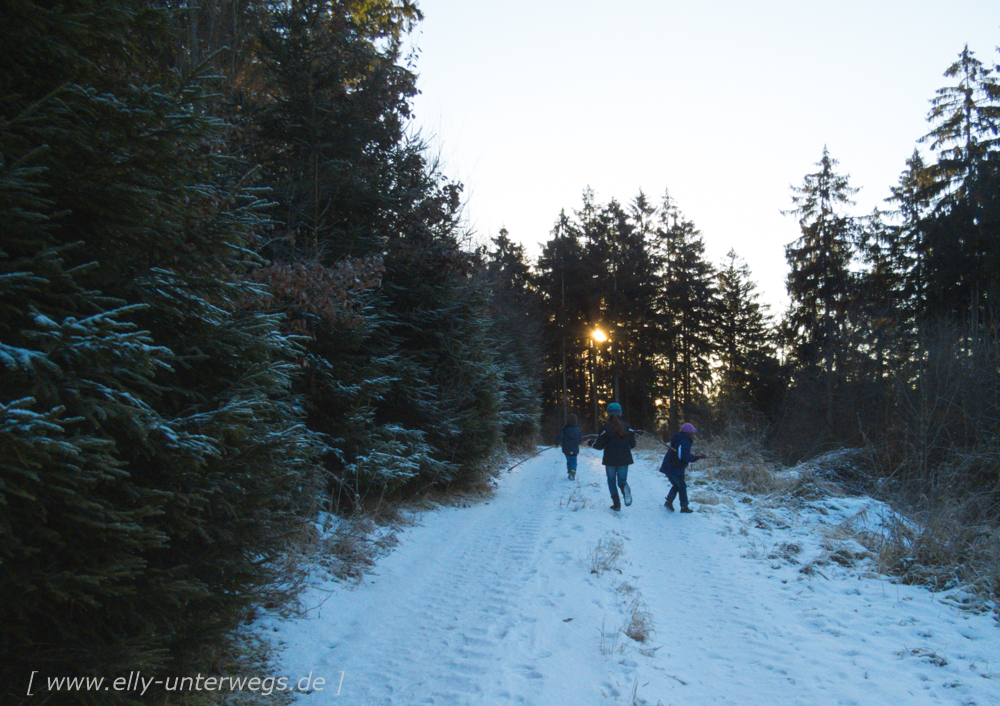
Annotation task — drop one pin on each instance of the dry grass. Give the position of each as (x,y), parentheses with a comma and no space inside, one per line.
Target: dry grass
(926,655)
(740,462)
(608,555)
(947,541)
(610,641)
(625,589)
(346,549)
(640,625)
(949,538)
(244,655)
(942,552)
(786,551)
(708,497)
(650,444)
(576,501)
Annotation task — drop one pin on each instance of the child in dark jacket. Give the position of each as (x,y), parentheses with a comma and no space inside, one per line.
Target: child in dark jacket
(675,461)
(570,437)
(617,440)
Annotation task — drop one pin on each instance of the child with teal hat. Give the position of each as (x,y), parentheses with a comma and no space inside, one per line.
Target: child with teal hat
(617,440)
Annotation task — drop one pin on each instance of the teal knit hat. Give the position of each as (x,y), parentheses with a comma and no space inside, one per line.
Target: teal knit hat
(615,408)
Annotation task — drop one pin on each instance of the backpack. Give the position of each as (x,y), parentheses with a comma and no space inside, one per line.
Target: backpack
(674,457)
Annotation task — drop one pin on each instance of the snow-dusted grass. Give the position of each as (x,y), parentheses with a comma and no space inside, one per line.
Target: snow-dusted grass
(942,544)
(753,599)
(608,554)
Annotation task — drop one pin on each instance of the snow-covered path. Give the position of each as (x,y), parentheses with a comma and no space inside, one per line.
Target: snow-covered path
(498,603)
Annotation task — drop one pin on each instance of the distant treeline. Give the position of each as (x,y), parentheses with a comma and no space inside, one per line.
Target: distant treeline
(891,340)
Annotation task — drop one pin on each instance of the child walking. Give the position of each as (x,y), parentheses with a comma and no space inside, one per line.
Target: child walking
(617,439)
(570,437)
(675,461)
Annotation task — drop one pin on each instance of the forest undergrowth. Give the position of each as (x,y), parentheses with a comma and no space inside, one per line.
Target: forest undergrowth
(944,536)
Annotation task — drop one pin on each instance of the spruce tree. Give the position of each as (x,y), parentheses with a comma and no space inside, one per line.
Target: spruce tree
(748,371)
(687,312)
(154,459)
(447,379)
(564,292)
(330,123)
(516,331)
(819,281)
(958,239)
(819,260)
(325,119)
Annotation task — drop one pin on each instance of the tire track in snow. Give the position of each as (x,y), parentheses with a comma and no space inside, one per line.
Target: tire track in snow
(496,603)
(457,605)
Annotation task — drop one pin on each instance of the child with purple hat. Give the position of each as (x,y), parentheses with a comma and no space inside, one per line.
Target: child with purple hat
(675,461)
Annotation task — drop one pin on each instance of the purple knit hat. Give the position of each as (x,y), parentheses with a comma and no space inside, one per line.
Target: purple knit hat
(689,428)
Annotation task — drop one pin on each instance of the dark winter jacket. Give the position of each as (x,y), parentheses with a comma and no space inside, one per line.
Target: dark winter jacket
(679,455)
(617,448)
(570,437)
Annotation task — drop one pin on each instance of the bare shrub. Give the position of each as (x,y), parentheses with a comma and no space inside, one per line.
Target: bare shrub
(946,403)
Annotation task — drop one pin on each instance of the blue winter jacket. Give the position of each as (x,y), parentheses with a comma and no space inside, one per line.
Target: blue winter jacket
(570,437)
(678,456)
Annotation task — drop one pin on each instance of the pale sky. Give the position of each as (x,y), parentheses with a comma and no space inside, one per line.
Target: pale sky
(725,103)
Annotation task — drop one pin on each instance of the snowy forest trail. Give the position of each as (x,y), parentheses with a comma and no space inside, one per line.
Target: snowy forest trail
(508,601)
